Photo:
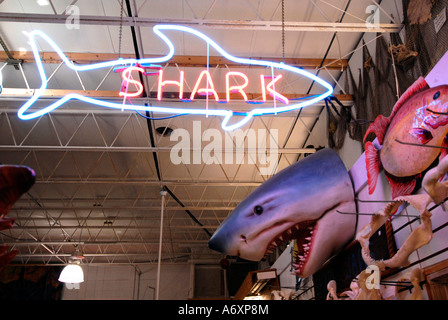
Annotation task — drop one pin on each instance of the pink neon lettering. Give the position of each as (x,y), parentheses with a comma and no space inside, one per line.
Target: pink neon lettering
(208,90)
(238,88)
(127,77)
(274,93)
(205,91)
(263,87)
(179,83)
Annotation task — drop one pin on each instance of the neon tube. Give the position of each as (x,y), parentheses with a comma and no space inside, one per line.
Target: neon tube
(238,88)
(210,89)
(274,93)
(25,113)
(127,77)
(163,83)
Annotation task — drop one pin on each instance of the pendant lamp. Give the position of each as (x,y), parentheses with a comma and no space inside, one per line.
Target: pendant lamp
(72,273)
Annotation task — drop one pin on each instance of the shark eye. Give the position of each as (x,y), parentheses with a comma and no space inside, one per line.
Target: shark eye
(258,210)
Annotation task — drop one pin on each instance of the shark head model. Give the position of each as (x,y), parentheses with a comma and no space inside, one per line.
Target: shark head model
(301,203)
(26,112)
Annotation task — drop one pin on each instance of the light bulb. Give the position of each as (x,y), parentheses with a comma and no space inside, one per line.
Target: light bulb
(72,273)
(43,2)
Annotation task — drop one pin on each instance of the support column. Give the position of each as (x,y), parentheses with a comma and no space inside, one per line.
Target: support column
(163,194)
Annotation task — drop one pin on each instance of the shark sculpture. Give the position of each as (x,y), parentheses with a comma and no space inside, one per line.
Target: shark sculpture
(301,203)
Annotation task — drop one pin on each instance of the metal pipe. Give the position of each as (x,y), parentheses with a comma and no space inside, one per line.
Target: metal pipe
(163,194)
(208,23)
(103,227)
(98,243)
(147,182)
(115,208)
(58,148)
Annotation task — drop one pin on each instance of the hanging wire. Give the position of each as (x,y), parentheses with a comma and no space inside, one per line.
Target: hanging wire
(421,145)
(437,112)
(375,214)
(397,86)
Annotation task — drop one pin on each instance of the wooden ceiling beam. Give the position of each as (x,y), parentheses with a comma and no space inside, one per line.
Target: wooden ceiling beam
(110,94)
(181,61)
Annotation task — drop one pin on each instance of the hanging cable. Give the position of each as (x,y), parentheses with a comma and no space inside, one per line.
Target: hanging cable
(150,130)
(187,211)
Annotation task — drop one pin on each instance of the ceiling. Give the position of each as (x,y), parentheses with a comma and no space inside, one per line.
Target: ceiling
(100,172)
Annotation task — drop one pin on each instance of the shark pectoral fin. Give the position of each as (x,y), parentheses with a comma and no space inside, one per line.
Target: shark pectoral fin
(240,122)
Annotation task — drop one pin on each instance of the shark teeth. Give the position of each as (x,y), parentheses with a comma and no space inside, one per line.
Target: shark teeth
(303,248)
(303,234)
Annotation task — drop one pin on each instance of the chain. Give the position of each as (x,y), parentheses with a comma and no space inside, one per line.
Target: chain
(120,32)
(283,29)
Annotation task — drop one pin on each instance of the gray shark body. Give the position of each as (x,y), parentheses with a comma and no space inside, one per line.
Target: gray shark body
(301,203)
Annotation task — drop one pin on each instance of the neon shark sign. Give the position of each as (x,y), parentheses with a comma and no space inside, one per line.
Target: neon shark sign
(129,65)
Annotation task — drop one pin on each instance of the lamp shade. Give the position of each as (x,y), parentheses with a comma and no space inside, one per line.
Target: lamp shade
(72,273)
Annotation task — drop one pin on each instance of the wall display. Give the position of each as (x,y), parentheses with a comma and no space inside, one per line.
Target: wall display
(301,202)
(418,118)
(363,287)
(14,182)
(419,11)
(436,191)
(379,82)
(349,263)
(204,84)
(286,294)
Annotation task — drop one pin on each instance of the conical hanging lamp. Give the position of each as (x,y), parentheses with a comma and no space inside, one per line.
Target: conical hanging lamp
(73,273)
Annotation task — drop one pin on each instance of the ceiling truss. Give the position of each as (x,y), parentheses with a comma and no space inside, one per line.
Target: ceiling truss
(207,23)
(100,172)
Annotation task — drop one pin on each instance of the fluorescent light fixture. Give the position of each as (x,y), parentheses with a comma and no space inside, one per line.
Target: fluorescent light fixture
(43,2)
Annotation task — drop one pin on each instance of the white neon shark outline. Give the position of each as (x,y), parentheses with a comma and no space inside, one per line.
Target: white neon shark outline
(227,114)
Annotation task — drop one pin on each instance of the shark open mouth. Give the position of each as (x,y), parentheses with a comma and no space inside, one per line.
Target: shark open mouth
(302,233)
